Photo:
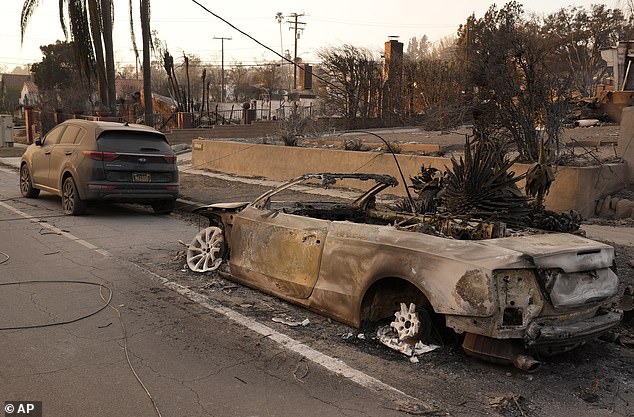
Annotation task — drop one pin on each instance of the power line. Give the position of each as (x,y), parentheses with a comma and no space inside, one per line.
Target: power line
(382,24)
(266,47)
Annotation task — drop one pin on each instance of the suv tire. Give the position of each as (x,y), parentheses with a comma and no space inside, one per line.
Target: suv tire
(26,183)
(71,203)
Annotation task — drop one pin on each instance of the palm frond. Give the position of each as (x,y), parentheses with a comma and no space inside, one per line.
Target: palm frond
(62,20)
(81,36)
(27,11)
(135,48)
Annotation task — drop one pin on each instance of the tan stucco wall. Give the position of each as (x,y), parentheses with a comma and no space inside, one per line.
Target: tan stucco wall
(625,147)
(574,188)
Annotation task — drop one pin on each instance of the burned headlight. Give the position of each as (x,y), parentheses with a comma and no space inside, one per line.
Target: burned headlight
(577,288)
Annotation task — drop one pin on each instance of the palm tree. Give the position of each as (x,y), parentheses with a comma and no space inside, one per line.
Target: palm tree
(90,25)
(280,17)
(96,29)
(147,69)
(107,18)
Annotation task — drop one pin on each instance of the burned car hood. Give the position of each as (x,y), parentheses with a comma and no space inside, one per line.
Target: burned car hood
(568,252)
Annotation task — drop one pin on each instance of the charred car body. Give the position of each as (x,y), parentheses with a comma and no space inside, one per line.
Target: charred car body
(356,262)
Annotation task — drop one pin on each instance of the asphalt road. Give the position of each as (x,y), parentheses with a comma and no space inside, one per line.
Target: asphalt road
(203,346)
(193,361)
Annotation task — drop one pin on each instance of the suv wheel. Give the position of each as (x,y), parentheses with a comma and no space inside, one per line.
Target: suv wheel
(71,203)
(164,207)
(26,183)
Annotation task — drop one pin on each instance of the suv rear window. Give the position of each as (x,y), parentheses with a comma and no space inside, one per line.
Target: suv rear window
(132,142)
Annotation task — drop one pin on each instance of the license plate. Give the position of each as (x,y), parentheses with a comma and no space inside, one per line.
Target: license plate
(141,177)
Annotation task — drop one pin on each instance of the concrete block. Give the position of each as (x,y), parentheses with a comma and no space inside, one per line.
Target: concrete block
(625,147)
(598,203)
(605,210)
(623,208)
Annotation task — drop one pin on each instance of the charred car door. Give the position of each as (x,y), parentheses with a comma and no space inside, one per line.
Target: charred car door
(276,251)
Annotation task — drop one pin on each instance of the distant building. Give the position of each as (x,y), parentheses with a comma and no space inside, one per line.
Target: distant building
(11,88)
(13,82)
(125,88)
(30,95)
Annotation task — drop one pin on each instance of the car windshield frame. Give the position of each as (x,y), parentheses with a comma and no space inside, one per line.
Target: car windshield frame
(382,181)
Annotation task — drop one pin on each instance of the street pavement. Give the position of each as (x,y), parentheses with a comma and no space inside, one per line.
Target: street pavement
(192,361)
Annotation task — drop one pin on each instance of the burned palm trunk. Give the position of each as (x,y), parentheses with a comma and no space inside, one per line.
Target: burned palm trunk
(539,178)
(168,65)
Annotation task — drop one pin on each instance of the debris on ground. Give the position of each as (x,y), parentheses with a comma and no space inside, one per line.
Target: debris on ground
(589,394)
(627,340)
(508,404)
(290,322)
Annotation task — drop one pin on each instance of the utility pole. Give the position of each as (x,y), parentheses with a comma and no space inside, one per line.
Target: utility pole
(295,25)
(222,73)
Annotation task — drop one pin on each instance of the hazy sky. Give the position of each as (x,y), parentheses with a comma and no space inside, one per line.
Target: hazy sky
(188,28)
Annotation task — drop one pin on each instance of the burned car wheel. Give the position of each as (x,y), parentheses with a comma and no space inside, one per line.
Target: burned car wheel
(207,250)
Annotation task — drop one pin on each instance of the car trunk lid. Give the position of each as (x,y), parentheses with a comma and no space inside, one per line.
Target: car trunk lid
(568,252)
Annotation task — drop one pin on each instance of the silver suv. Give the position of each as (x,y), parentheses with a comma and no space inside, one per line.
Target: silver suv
(84,161)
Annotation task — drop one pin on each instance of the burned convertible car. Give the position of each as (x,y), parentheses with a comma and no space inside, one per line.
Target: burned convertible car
(358,262)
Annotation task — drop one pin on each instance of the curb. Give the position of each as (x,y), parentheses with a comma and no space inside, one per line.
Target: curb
(188,206)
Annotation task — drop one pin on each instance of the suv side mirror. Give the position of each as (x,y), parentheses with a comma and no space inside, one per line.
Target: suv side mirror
(38,142)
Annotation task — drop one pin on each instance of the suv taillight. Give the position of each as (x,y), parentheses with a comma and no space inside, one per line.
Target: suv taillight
(101,156)
(170,159)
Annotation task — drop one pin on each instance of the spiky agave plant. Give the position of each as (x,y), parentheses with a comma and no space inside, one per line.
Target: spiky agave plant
(480,186)
(427,185)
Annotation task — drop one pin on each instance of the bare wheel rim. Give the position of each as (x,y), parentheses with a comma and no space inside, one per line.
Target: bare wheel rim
(68,196)
(206,250)
(25,180)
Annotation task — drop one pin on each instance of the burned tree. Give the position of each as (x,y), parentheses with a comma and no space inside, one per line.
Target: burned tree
(433,84)
(577,35)
(514,92)
(353,78)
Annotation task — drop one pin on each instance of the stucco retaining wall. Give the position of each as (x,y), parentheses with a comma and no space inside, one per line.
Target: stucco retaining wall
(575,188)
(625,147)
